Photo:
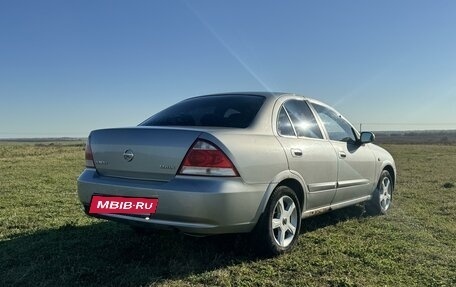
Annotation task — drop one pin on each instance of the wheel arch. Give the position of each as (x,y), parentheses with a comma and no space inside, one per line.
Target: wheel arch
(392,171)
(287,178)
(296,186)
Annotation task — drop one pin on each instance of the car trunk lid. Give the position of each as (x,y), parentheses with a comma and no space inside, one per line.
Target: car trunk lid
(147,153)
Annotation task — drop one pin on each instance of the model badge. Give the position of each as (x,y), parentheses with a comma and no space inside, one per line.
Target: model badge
(162,166)
(128,155)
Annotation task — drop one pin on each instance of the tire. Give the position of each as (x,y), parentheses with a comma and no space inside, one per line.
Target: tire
(382,196)
(278,228)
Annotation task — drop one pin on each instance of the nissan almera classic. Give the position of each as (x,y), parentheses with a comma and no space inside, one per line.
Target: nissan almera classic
(235,163)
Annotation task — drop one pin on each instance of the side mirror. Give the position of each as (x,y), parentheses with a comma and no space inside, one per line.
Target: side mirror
(366,137)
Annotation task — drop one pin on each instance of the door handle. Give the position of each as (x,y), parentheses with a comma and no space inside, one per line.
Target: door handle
(296,152)
(342,154)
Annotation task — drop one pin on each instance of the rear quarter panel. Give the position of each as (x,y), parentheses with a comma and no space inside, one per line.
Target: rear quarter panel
(258,158)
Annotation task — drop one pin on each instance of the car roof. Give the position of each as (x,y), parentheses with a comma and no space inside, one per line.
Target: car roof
(261,93)
(271,96)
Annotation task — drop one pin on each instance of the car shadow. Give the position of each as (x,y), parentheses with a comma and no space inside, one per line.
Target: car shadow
(333,218)
(111,254)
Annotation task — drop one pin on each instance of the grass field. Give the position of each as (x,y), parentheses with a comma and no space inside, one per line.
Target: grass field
(46,240)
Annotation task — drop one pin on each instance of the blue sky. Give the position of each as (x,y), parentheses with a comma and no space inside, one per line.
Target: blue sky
(67,67)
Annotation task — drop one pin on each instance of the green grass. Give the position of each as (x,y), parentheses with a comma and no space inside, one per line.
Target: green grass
(46,240)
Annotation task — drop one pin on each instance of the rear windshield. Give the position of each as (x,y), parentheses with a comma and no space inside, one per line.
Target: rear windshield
(236,111)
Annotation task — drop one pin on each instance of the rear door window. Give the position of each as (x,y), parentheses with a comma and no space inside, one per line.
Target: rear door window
(303,119)
(284,126)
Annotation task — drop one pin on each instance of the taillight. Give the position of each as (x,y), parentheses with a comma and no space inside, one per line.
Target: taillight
(204,158)
(89,155)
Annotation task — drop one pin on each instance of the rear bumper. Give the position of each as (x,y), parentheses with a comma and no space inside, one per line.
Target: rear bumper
(197,205)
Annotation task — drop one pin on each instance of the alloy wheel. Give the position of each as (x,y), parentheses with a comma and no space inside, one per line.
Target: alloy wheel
(284,221)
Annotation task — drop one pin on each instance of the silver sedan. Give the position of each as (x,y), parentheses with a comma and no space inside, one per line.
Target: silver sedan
(235,163)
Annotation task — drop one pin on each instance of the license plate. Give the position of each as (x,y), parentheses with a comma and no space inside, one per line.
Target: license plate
(122,205)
